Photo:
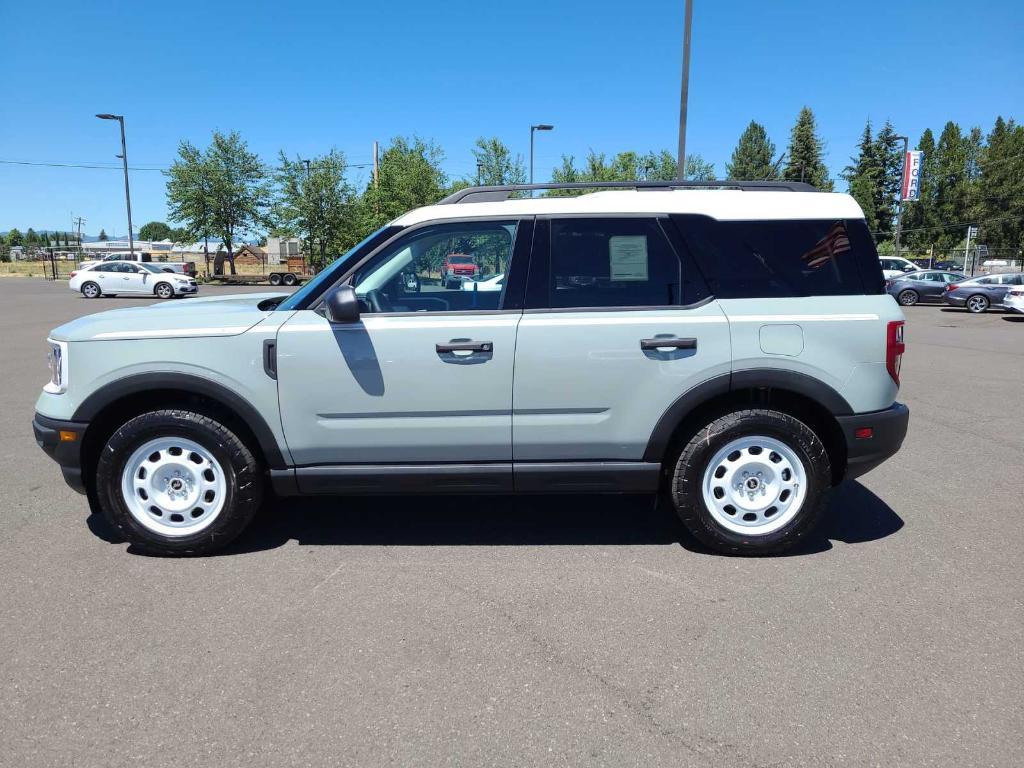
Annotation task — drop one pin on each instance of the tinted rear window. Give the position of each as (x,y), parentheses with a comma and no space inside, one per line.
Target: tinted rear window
(761,259)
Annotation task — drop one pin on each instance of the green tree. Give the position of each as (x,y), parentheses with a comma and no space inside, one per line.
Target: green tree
(103,235)
(496,164)
(180,234)
(1002,180)
(627,166)
(189,200)
(31,238)
(239,192)
(919,215)
(316,202)
(805,152)
(155,230)
(15,238)
(888,157)
(754,156)
(950,186)
(409,176)
(862,177)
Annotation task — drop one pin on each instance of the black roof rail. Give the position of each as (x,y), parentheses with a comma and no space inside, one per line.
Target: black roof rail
(488,194)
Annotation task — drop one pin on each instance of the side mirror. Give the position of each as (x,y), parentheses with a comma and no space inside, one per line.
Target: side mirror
(342,305)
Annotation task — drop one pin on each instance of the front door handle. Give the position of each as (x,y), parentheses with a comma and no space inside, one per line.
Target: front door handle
(666,342)
(465,346)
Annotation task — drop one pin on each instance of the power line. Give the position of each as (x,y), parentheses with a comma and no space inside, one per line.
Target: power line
(956,226)
(97,166)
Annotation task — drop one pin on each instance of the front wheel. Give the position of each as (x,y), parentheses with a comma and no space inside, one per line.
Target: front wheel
(908,298)
(752,482)
(977,304)
(275,278)
(177,483)
(163,290)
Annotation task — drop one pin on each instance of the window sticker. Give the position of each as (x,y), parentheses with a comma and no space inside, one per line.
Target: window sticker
(627,255)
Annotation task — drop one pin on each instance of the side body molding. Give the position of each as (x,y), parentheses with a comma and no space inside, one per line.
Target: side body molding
(755,378)
(144,382)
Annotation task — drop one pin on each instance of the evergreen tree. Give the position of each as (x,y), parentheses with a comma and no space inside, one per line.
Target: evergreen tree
(804,155)
(31,238)
(103,235)
(1002,179)
(862,177)
(754,156)
(889,157)
(950,187)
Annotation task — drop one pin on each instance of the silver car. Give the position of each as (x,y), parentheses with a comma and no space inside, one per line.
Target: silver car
(978,294)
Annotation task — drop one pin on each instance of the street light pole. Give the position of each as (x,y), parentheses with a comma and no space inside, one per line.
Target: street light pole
(539,127)
(684,91)
(899,197)
(127,193)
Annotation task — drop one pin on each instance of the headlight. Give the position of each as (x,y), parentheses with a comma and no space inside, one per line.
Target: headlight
(58,360)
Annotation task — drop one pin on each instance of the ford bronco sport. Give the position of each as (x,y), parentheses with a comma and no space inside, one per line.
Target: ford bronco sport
(730,348)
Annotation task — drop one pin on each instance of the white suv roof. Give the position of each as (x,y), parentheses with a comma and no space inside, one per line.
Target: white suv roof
(716,203)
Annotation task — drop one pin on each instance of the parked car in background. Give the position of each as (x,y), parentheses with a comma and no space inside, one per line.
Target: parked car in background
(485,283)
(144,257)
(894,266)
(926,285)
(110,278)
(1013,301)
(980,293)
(456,266)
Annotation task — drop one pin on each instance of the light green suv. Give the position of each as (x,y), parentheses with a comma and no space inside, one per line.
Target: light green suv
(728,345)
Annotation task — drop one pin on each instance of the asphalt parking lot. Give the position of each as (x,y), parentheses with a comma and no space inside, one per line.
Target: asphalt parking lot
(541,631)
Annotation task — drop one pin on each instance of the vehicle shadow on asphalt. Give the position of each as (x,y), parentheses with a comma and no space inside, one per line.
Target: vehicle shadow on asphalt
(856,515)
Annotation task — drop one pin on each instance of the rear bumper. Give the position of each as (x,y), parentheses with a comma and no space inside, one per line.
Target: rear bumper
(888,428)
(67,453)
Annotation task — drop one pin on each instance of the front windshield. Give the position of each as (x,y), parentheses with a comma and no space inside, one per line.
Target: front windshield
(327,275)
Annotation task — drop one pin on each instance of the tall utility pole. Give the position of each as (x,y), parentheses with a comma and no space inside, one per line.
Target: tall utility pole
(684,91)
(376,163)
(124,158)
(899,197)
(78,221)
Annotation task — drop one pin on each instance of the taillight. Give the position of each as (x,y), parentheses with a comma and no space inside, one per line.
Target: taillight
(73,274)
(952,287)
(894,348)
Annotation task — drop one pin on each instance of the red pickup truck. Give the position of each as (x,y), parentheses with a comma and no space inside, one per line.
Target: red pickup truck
(455,267)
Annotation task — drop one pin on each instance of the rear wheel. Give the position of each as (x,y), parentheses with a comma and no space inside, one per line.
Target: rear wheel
(91,290)
(908,298)
(288,279)
(177,483)
(752,481)
(163,290)
(977,304)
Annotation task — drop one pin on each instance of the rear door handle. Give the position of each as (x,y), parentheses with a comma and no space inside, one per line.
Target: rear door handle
(665,342)
(465,346)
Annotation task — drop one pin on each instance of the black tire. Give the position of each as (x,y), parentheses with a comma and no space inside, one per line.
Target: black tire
(90,287)
(981,304)
(289,279)
(243,481)
(275,278)
(687,479)
(164,290)
(908,298)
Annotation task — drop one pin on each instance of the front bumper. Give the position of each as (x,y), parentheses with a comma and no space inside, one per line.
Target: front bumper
(888,428)
(62,442)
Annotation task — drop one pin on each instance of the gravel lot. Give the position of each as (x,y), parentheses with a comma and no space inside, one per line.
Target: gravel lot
(542,631)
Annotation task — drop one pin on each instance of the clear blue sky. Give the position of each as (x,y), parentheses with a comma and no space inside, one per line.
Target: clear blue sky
(307,75)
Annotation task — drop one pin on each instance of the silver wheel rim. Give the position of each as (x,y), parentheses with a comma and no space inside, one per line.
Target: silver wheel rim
(90,291)
(163,291)
(173,486)
(976,304)
(754,485)
(908,298)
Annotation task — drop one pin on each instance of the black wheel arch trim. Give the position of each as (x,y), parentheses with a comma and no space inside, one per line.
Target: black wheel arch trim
(142,382)
(754,378)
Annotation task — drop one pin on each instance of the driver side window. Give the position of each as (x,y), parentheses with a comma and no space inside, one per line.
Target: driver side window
(442,268)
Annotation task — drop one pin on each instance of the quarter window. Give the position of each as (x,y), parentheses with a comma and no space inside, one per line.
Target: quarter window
(612,263)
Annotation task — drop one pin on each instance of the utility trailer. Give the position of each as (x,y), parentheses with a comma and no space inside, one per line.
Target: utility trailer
(294,272)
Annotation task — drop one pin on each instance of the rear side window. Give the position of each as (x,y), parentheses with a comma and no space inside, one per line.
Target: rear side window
(763,259)
(614,262)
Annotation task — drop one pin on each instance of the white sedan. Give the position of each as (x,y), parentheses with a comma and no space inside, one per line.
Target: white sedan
(486,283)
(1013,301)
(109,278)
